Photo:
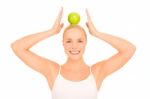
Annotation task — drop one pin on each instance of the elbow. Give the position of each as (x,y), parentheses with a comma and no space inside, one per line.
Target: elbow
(129,52)
(14,46)
(132,49)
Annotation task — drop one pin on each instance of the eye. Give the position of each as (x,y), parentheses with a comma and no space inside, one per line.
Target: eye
(68,41)
(80,41)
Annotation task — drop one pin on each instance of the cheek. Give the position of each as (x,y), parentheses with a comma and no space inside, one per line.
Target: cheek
(67,46)
(82,45)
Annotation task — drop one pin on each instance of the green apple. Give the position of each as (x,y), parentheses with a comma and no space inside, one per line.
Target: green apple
(74,18)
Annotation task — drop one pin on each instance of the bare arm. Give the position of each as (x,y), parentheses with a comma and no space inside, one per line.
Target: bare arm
(125,51)
(22,47)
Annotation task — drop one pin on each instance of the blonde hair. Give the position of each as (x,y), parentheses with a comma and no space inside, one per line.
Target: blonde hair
(74,26)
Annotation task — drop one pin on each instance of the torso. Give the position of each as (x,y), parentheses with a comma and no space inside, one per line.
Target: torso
(75,76)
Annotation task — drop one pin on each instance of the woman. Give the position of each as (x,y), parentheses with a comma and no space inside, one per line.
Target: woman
(74,79)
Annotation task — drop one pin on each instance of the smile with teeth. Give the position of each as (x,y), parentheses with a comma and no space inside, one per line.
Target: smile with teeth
(74,52)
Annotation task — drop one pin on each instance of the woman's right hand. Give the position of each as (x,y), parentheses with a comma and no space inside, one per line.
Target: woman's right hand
(21,49)
(57,25)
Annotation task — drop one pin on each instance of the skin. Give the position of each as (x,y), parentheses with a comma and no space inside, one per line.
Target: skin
(74,40)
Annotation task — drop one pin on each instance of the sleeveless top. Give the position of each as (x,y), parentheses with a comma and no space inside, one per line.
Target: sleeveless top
(67,89)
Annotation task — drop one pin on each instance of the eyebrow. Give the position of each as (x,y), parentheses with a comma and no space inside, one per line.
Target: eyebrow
(69,39)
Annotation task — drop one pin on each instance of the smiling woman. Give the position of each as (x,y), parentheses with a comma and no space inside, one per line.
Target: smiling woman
(74,79)
(74,41)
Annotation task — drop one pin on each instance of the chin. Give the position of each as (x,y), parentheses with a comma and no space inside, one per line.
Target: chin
(75,57)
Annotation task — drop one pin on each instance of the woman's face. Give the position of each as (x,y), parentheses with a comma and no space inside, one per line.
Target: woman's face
(74,42)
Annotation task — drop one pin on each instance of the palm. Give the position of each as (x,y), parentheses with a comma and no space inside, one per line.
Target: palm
(58,25)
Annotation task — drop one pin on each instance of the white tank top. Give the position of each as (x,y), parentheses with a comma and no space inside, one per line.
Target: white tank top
(66,89)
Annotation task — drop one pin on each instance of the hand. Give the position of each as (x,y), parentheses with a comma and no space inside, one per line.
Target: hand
(58,25)
(90,25)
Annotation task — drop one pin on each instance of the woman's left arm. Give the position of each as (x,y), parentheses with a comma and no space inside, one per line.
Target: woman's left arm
(125,50)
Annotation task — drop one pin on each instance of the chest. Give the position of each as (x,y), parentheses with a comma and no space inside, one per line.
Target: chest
(75,76)
(66,89)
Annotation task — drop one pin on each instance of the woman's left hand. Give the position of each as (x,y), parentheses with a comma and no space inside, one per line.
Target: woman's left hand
(90,25)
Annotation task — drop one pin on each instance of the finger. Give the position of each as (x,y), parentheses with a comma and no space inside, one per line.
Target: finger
(87,13)
(61,12)
(59,15)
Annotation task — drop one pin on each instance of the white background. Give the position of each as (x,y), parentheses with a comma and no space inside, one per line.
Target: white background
(129,19)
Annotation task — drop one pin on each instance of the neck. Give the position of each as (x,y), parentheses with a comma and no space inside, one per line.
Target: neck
(75,64)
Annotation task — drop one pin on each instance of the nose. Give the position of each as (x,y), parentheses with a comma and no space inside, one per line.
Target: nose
(74,45)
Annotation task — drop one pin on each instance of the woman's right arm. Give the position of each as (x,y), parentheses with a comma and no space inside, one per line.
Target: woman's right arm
(21,48)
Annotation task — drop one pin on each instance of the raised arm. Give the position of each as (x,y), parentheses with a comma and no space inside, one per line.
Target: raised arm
(21,48)
(125,51)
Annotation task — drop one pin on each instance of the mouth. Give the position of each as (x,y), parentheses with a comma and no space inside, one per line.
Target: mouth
(74,52)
